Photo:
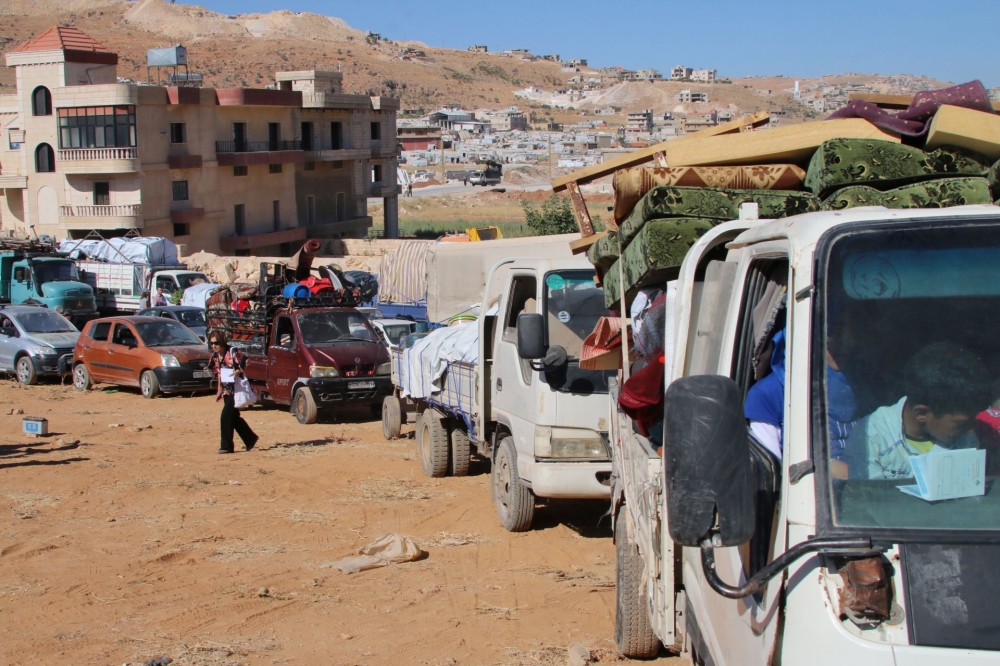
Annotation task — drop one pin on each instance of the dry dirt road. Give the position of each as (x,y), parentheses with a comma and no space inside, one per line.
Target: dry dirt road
(140,542)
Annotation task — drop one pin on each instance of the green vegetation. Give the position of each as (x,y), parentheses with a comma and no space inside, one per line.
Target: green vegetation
(430,229)
(554,217)
(494,71)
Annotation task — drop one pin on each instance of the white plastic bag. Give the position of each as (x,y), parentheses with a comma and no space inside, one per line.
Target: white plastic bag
(385,550)
(243,394)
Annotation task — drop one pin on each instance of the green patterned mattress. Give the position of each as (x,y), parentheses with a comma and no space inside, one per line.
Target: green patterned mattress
(940,193)
(604,252)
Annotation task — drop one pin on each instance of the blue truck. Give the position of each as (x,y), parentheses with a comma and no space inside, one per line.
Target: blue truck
(32,272)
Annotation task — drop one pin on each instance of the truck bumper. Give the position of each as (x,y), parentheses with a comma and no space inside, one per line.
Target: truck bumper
(181,379)
(355,390)
(569,480)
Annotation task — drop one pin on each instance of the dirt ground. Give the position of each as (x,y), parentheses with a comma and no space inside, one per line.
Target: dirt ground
(139,541)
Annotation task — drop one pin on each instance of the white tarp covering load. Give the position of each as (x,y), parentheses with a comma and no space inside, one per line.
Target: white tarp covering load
(424,363)
(157,251)
(402,278)
(196,295)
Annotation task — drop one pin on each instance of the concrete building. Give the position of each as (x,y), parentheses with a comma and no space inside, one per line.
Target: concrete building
(418,138)
(639,122)
(688,97)
(577,62)
(648,75)
(232,170)
(703,75)
(478,48)
(509,121)
(680,73)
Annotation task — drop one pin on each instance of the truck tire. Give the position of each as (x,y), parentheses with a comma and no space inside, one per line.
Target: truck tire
(515,502)
(458,462)
(149,385)
(26,373)
(81,377)
(304,406)
(633,634)
(390,417)
(433,444)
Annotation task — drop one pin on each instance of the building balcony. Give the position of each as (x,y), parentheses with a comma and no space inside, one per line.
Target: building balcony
(384,190)
(126,216)
(385,149)
(12,179)
(250,153)
(254,241)
(98,160)
(323,151)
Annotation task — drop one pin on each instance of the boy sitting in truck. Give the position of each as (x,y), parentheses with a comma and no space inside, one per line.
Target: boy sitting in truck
(945,388)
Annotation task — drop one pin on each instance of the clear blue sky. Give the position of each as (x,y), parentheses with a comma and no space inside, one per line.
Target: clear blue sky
(954,40)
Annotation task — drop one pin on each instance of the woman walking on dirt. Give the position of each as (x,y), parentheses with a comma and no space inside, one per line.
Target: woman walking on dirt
(227,363)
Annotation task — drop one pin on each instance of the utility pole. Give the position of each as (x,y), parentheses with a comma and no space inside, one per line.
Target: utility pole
(549,139)
(443,179)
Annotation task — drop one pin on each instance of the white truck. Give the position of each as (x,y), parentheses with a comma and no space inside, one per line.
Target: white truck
(119,287)
(735,555)
(521,398)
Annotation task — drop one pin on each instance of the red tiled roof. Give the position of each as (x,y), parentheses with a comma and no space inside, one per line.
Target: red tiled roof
(64,38)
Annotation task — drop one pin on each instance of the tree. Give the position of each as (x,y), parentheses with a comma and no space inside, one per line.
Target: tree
(554,217)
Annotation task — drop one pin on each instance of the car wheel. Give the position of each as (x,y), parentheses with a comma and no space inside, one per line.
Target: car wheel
(458,463)
(304,406)
(515,502)
(26,371)
(81,377)
(391,418)
(633,632)
(149,385)
(433,443)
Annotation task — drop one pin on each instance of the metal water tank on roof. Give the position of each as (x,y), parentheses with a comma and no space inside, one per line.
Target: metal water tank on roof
(167,57)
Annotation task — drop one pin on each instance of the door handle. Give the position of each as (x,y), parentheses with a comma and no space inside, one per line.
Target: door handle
(499,383)
(274,359)
(111,351)
(86,346)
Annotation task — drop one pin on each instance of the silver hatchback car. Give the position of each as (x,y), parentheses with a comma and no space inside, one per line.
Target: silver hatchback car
(33,341)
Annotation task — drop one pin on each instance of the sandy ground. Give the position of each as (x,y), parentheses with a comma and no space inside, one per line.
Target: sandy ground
(139,542)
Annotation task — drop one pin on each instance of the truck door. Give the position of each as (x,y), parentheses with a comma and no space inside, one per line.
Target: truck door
(752,353)
(8,342)
(123,355)
(282,360)
(21,285)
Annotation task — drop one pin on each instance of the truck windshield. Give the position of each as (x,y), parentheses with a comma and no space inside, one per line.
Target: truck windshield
(321,328)
(55,271)
(186,280)
(44,321)
(395,332)
(911,407)
(573,305)
(165,333)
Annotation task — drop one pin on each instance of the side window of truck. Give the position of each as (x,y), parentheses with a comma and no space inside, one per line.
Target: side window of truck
(522,300)
(100,331)
(167,283)
(20,274)
(284,333)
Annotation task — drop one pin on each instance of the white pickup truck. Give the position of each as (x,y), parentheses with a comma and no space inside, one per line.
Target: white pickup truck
(118,287)
(736,555)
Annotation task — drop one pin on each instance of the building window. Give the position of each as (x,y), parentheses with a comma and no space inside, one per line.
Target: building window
(181,229)
(41,102)
(274,136)
(376,131)
(178,133)
(240,171)
(97,127)
(45,159)
(310,209)
(307,136)
(180,190)
(336,136)
(376,173)
(240,219)
(274,168)
(310,166)
(276,214)
(102,194)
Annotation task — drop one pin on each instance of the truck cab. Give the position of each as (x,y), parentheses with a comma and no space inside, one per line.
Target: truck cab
(175,280)
(51,280)
(825,549)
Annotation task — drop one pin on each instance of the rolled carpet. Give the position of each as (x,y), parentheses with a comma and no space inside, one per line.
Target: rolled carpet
(940,193)
(632,183)
(884,164)
(604,252)
(655,254)
(713,204)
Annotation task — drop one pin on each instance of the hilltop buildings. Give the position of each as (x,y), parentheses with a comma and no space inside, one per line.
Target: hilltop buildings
(234,170)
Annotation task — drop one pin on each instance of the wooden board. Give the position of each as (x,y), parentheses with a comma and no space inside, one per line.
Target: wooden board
(892,101)
(973,130)
(583,220)
(581,245)
(648,153)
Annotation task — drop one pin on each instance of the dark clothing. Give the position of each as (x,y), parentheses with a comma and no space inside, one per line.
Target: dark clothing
(231,420)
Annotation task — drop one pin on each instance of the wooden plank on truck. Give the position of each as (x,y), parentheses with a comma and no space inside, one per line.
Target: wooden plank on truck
(582,214)
(581,245)
(973,130)
(891,101)
(588,174)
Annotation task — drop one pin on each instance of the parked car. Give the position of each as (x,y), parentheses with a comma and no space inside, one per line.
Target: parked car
(369,311)
(189,315)
(157,354)
(32,341)
(391,331)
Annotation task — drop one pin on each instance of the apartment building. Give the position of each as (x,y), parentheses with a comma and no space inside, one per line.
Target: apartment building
(639,122)
(680,73)
(688,97)
(237,170)
(704,75)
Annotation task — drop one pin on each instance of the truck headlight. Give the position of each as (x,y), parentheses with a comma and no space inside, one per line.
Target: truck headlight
(317,371)
(60,309)
(42,351)
(169,361)
(568,443)
(384,369)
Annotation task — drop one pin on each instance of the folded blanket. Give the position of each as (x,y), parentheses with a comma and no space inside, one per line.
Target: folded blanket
(655,254)
(941,193)
(884,164)
(604,252)
(632,183)
(713,204)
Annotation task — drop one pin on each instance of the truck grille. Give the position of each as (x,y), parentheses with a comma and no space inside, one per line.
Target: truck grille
(198,364)
(363,370)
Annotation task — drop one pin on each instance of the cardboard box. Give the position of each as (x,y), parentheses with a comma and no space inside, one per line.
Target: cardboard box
(35,426)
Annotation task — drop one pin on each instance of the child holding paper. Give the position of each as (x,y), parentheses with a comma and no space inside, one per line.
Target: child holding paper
(946,387)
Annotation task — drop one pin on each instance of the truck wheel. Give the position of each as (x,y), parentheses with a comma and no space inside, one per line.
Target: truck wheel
(515,502)
(81,377)
(433,444)
(390,417)
(633,634)
(458,463)
(26,371)
(149,385)
(304,406)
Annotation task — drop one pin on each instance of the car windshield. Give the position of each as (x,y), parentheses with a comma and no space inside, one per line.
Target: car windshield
(911,405)
(395,332)
(191,318)
(44,321)
(573,305)
(319,328)
(165,333)
(55,271)
(186,280)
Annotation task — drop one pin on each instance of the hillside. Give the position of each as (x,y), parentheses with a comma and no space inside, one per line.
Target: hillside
(246,50)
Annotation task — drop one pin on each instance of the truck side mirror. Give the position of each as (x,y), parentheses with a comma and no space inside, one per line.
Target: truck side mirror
(531,344)
(706,460)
